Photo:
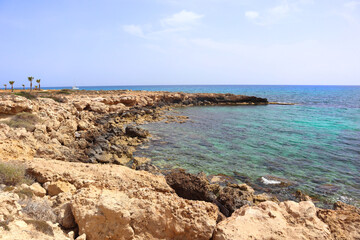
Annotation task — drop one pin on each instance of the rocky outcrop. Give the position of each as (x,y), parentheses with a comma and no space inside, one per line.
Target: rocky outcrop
(115,202)
(14,104)
(269,220)
(343,221)
(228,198)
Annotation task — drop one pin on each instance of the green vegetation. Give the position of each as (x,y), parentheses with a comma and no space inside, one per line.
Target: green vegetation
(24,193)
(12,85)
(26,94)
(23,86)
(55,98)
(23,120)
(30,80)
(64,91)
(12,174)
(38,81)
(5,86)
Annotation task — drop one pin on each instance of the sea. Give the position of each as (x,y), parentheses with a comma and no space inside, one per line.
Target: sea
(313,146)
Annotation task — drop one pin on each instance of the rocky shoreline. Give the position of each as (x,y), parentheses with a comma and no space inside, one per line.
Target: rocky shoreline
(78,147)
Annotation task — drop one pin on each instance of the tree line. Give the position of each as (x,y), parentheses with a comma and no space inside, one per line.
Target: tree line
(23,85)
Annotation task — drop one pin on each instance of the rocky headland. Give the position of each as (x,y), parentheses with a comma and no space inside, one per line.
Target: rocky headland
(76,150)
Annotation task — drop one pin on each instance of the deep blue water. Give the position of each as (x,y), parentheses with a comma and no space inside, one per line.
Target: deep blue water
(315,144)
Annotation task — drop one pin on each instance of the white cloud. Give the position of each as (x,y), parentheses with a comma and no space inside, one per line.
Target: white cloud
(251,14)
(276,13)
(134,30)
(352,5)
(280,10)
(183,18)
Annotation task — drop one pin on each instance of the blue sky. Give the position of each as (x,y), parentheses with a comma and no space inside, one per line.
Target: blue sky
(136,42)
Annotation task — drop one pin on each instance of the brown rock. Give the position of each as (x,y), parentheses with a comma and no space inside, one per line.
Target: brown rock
(344,221)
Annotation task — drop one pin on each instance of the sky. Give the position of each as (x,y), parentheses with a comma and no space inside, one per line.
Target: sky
(166,42)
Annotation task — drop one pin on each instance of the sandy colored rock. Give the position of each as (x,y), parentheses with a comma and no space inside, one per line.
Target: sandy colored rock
(344,221)
(57,187)
(269,220)
(116,202)
(38,190)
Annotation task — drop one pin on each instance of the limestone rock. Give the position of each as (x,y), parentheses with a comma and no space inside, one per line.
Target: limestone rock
(344,221)
(38,190)
(57,187)
(121,203)
(269,220)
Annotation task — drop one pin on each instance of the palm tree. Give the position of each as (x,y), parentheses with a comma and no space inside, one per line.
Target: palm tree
(5,86)
(30,80)
(38,81)
(12,85)
(23,86)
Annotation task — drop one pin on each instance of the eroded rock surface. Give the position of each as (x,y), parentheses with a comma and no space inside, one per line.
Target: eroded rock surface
(269,220)
(115,202)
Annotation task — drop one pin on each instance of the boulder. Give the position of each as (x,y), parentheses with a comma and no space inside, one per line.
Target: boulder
(132,131)
(14,104)
(38,190)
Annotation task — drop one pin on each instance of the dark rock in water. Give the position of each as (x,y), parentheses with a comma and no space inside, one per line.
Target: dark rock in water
(233,197)
(328,188)
(300,196)
(136,132)
(189,186)
(197,187)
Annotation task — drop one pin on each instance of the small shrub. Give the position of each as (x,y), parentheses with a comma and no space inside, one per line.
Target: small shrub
(56,99)
(12,174)
(38,209)
(41,226)
(23,120)
(64,91)
(24,193)
(26,95)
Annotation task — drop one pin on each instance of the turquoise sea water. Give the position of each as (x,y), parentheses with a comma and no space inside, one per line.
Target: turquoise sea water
(315,144)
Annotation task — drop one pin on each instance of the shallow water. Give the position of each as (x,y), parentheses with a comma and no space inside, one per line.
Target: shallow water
(315,144)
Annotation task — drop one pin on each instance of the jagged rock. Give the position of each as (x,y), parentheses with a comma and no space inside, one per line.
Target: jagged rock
(136,132)
(121,203)
(65,216)
(343,221)
(14,104)
(269,220)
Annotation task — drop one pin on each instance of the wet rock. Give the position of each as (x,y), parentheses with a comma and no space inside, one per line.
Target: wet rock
(133,131)
(189,186)
(232,198)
